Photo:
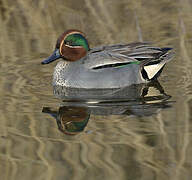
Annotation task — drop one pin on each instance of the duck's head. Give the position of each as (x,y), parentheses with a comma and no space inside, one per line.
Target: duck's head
(71,46)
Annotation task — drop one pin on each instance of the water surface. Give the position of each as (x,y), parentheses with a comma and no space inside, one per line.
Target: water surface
(145,137)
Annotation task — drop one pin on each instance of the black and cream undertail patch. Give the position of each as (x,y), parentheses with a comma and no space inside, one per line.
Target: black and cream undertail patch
(152,71)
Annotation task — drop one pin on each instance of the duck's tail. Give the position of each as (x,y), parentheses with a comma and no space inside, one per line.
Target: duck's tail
(152,68)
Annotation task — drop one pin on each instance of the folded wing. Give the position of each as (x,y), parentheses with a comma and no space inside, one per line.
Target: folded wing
(151,59)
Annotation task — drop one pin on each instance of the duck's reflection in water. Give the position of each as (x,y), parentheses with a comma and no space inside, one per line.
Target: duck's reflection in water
(77,106)
(70,120)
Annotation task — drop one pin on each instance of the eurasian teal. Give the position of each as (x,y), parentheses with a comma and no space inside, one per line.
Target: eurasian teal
(112,66)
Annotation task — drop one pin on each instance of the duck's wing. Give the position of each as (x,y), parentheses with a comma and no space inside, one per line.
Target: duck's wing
(142,53)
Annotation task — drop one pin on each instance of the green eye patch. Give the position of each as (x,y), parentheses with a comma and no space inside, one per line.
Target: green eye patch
(76,40)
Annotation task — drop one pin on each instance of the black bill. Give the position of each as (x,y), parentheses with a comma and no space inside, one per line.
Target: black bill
(56,55)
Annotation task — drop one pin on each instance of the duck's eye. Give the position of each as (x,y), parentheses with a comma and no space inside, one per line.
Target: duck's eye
(68,42)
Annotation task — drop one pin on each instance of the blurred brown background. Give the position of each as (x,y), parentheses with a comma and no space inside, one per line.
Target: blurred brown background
(119,147)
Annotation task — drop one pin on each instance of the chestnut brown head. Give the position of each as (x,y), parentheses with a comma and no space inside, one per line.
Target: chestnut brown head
(71,46)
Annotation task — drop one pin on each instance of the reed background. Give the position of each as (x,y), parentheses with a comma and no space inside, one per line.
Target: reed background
(119,147)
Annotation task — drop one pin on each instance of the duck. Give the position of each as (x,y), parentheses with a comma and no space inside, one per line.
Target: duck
(107,66)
